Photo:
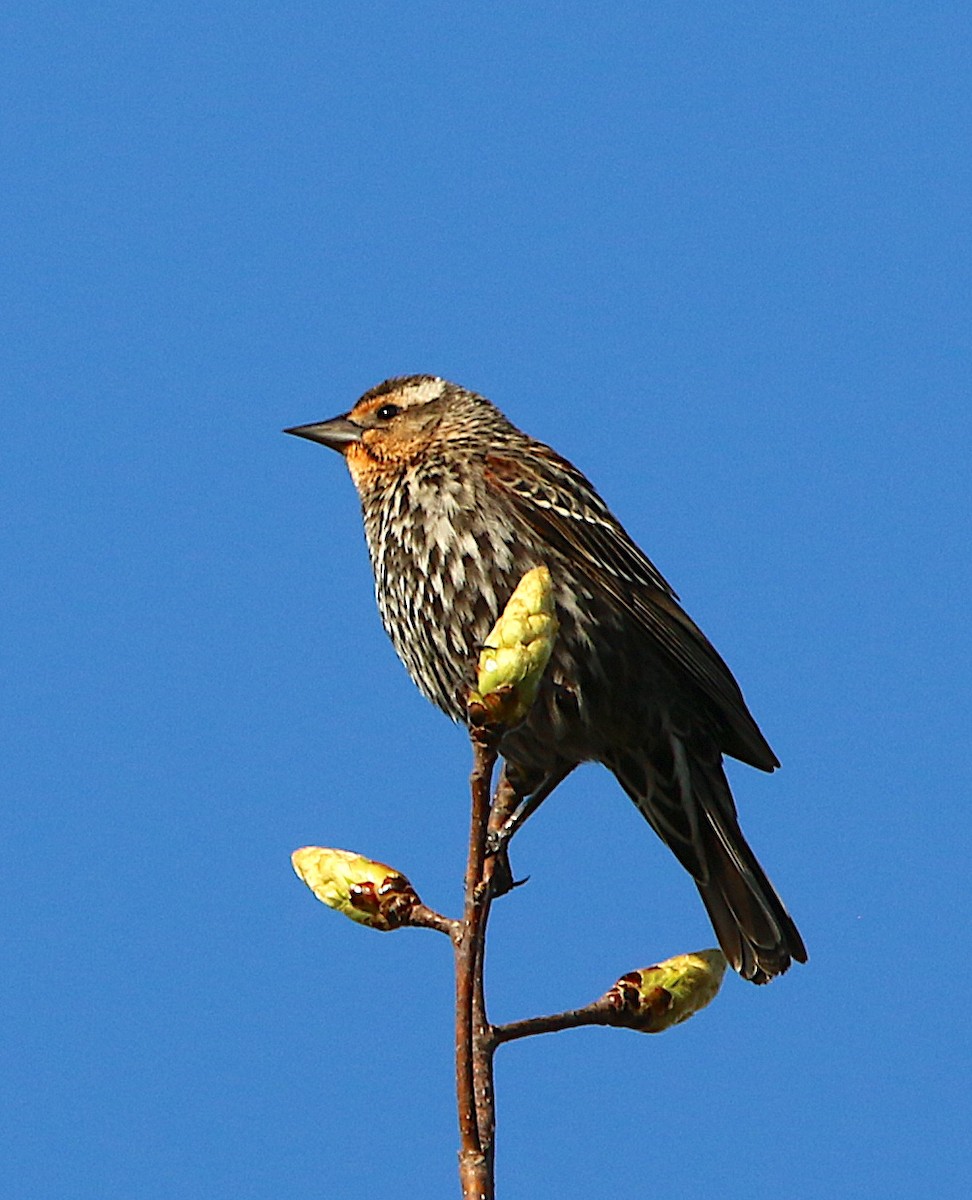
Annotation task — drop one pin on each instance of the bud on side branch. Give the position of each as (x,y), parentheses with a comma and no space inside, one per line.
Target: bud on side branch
(516,654)
(368,892)
(655,998)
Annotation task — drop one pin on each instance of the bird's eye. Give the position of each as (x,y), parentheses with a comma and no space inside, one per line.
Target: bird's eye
(387,411)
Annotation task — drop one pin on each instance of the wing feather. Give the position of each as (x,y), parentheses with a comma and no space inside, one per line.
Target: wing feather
(575,521)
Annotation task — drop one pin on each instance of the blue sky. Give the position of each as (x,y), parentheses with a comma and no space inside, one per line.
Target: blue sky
(720,257)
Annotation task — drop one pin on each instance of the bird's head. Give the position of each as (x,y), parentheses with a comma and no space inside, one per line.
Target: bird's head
(396,424)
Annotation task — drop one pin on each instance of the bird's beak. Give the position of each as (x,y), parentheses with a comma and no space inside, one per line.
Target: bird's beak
(337,433)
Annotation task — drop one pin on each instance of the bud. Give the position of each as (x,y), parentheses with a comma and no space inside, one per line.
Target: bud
(655,998)
(516,654)
(370,893)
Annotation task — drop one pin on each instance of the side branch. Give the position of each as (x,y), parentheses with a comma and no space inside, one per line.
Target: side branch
(423,917)
(601,1012)
(648,1000)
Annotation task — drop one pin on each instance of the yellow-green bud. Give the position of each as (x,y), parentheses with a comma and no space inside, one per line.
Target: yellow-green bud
(655,998)
(516,654)
(368,892)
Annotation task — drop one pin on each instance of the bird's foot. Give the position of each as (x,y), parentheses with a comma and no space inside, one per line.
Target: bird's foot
(501,878)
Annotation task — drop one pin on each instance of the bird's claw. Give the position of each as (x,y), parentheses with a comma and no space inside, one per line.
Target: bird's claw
(501,878)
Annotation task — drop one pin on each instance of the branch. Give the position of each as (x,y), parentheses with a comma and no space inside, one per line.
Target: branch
(600,1012)
(651,999)
(474,1068)
(423,917)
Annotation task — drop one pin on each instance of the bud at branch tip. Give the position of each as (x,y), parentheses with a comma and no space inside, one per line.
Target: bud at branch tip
(368,892)
(516,654)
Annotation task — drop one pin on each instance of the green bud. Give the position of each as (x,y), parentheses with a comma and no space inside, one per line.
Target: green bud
(368,892)
(516,654)
(655,998)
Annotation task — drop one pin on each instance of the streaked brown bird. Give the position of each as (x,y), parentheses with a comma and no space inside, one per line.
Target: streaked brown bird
(458,504)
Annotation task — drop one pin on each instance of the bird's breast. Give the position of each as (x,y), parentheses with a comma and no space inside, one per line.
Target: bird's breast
(444,566)
(446,559)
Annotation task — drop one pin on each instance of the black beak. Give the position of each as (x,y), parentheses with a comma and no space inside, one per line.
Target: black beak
(336,433)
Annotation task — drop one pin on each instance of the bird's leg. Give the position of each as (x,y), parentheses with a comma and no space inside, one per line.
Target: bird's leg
(528,805)
(505,801)
(511,808)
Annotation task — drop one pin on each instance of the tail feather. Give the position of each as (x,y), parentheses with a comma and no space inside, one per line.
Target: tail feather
(756,933)
(687,801)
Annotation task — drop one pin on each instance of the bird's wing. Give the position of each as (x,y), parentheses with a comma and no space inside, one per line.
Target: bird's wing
(561,505)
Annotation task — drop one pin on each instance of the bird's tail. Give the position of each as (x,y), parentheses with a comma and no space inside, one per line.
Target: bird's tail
(687,801)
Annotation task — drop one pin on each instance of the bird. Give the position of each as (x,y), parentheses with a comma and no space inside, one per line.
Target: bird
(458,504)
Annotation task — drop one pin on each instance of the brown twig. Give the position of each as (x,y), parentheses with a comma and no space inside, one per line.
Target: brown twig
(423,917)
(474,1042)
(601,1012)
